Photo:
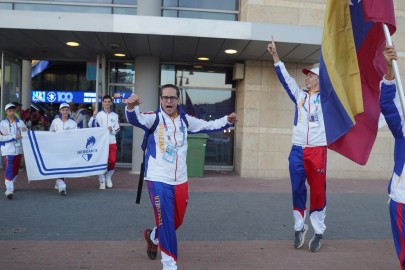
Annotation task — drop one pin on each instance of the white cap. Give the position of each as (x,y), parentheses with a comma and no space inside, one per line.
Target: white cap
(314,70)
(64,105)
(9,106)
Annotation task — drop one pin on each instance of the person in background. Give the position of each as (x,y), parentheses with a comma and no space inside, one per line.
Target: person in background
(82,116)
(11,147)
(166,168)
(107,119)
(307,160)
(63,122)
(393,113)
(18,111)
(73,110)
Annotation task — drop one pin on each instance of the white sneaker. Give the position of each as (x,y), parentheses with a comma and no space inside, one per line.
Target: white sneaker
(102,185)
(109,183)
(9,194)
(60,186)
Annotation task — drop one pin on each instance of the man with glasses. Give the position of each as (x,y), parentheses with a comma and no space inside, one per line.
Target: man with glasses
(166,168)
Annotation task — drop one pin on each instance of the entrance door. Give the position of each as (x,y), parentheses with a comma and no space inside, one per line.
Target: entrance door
(10,79)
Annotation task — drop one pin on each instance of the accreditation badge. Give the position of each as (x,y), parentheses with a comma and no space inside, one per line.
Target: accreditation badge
(170,154)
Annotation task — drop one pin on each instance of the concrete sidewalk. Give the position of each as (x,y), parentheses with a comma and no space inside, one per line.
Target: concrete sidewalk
(231,223)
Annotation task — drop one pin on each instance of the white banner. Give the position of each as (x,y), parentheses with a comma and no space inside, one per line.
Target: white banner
(70,153)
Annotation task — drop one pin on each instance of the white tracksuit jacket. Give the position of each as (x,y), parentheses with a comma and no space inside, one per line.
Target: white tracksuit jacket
(156,167)
(305,133)
(9,144)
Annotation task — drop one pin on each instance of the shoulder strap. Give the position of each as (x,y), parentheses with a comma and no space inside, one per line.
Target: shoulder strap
(143,146)
(150,131)
(183,116)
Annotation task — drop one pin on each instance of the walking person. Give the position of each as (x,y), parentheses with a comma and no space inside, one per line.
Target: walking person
(391,109)
(63,122)
(166,168)
(11,147)
(307,159)
(107,119)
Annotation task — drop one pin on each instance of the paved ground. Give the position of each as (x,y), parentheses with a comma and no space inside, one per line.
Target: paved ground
(231,223)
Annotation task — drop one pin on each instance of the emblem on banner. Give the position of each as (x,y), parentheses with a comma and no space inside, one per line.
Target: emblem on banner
(88,153)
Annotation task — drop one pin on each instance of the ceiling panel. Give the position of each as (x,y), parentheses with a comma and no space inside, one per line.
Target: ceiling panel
(300,51)
(162,47)
(184,48)
(137,45)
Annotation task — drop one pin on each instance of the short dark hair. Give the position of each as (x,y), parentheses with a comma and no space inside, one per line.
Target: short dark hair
(169,86)
(107,97)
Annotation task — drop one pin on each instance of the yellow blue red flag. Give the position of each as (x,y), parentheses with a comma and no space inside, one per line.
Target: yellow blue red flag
(351,67)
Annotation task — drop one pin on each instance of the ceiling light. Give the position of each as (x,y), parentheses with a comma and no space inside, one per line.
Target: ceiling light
(231,51)
(72,43)
(203,58)
(119,54)
(197,66)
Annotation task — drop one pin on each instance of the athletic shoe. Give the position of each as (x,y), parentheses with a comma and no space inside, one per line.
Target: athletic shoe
(315,243)
(151,248)
(62,191)
(102,185)
(109,183)
(9,194)
(300,236)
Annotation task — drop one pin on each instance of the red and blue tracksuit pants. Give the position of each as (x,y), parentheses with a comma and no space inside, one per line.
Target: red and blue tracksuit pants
(112,156)
(11,166)
(309,164)
(397,214)
(169,206)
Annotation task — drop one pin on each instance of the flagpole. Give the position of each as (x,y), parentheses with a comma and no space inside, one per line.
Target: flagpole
(396,70)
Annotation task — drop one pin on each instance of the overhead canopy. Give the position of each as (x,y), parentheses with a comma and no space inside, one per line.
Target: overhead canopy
(43,35)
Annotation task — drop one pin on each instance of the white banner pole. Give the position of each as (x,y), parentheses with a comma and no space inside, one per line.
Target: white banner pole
(396,70)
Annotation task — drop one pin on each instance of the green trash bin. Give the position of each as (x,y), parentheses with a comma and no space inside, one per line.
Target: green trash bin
(196,154)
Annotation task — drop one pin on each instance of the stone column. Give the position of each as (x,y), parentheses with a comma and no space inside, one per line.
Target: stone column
(147,74)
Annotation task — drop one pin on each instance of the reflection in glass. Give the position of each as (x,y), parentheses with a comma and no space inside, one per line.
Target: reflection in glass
(206,94)
(208,104)
(124,144)
(63,8)
(122,72)
(231,5)
(119,94)
(125,11)
(219,149)
(6,6)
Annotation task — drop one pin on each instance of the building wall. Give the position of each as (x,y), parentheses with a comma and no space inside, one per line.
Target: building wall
(266,112)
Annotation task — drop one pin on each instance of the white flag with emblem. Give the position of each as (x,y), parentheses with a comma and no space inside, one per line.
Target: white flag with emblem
(69,153)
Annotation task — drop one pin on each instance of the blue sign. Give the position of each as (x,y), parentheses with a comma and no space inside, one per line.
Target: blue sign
(74,96)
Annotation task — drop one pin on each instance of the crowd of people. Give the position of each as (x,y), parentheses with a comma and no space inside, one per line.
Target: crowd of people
(40,117)
(68,117)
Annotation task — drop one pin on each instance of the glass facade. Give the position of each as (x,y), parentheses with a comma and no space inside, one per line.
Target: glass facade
(207,94)
(207,9)
(128,7)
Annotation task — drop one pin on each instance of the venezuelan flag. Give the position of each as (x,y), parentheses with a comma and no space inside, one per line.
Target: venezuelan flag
(351,67)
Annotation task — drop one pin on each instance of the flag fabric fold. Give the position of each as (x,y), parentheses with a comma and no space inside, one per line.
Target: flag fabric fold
(70,153)
(351,67)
